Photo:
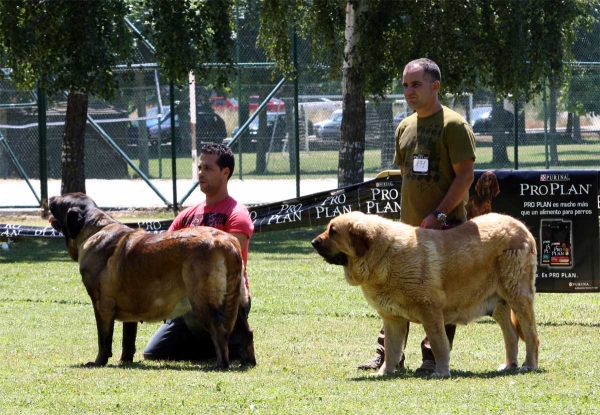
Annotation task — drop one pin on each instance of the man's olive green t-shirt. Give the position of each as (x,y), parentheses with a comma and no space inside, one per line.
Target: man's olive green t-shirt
(436,142)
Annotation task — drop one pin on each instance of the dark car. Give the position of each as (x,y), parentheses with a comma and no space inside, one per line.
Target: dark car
(210,127)
(481,120)
(399,117)
(330,129)
(275,121)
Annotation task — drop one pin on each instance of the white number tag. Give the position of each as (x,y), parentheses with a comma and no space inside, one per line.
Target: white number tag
(420,163)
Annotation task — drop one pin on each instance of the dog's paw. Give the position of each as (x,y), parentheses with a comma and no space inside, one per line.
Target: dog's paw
(526,369)
(504,367)
(440,375)
(248,361)
(92,364)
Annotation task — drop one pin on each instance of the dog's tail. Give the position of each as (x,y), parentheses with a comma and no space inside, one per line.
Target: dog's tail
(236,293)
(515,322)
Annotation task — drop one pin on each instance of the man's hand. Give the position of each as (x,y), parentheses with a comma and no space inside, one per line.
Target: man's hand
(431,222)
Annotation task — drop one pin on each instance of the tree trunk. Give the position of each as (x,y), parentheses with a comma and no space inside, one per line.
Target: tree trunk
(499,135)
(73,154)
(352,142)
(577,129)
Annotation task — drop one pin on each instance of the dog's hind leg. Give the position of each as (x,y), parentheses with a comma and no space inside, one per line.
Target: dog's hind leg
(501,315)
(129,335)
(212,320)
(247,343)
(518,290)
(523,310)
(396,331)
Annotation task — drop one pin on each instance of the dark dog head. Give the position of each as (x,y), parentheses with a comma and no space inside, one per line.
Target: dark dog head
(69,216)
(346,236)
(487,185)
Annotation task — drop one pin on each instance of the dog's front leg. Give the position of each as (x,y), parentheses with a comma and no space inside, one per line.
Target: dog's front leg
(129,335)
(396,330)
(105,326)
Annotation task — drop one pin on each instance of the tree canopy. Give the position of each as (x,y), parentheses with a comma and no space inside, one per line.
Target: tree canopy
(64,45)
(508,46)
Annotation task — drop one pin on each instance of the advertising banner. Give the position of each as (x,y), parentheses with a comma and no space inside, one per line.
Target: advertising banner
(378,196)
(560,208)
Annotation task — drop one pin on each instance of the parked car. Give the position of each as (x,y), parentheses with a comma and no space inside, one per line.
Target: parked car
(481,120)
(210,127)
(330,128)
(274,104)
(398,118)
(317,103)
(220,103)
(280,131)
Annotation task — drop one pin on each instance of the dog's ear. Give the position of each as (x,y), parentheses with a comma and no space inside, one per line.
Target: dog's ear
(494,186)
(75,222)
(479,185)
(360,238)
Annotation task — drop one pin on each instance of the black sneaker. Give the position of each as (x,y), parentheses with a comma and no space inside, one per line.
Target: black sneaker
(373,364)
(428,366)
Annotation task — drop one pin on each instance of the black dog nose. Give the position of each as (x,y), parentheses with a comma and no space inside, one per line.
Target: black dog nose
(315,242)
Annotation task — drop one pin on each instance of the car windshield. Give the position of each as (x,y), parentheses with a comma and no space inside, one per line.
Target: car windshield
(152,118)
(479,113)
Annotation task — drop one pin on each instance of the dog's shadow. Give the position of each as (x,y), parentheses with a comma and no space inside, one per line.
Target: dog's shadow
(181,366)
(456,374)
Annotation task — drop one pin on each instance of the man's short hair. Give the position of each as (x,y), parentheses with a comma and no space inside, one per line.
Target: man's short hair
(429,68)
(225,157)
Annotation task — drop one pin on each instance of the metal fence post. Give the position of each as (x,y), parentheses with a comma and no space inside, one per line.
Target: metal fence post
(41,101)
(516,148)
(173,146)
(296,114)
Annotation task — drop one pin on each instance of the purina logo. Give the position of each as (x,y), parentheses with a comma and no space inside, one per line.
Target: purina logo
(554,178)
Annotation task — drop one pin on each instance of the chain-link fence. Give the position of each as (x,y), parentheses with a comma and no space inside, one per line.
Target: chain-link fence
(130,138)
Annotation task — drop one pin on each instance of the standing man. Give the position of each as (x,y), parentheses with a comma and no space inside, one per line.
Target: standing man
(435,149)
(184,338)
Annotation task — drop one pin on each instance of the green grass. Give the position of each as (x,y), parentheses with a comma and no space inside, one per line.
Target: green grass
(324,164)
(314,165)
(311,331)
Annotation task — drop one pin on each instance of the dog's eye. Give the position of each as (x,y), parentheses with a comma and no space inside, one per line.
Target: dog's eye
(332,232)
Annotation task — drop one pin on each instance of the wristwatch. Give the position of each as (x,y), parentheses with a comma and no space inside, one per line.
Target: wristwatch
(440,216)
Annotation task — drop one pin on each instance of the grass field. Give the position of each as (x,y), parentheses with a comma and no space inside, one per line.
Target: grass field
(311,331)
(324,163)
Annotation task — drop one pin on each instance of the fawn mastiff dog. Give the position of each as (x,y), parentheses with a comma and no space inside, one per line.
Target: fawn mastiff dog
(132,275)
(431,277)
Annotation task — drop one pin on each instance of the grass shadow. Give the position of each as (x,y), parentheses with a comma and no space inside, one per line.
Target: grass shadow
(207,366)
(411,374)
(35,250)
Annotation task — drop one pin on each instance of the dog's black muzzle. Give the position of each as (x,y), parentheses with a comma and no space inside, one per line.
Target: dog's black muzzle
(336,259)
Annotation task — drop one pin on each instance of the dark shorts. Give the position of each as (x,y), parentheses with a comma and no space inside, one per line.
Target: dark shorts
(175,341)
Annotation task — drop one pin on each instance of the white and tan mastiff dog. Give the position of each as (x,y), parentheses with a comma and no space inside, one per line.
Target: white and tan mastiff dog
(431,277)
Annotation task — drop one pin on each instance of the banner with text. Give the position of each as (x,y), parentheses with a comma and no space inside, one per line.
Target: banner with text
(560,208)
(378,196)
